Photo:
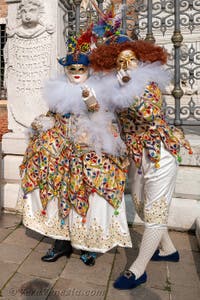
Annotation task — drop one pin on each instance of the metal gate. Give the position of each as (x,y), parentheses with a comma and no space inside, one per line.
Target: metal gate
(174,24)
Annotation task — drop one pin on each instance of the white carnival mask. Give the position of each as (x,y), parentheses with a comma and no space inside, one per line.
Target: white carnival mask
(77,73)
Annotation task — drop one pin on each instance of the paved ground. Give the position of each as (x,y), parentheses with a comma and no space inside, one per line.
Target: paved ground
(23,274)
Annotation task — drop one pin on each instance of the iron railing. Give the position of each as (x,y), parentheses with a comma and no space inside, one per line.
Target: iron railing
(178,22)
(174,24)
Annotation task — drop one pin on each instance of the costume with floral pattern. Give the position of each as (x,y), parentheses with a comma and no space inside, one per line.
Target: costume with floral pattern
(70,171)
(74,172)
(144,127)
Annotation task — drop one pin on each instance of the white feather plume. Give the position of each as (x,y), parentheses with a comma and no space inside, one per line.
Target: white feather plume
(113,95)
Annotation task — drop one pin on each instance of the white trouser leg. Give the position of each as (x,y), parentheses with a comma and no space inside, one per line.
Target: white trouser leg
(152,192)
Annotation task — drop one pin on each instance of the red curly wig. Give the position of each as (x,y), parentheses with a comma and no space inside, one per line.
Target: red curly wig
(104,58)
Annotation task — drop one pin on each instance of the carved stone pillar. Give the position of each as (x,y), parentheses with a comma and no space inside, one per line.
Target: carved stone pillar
(35,40)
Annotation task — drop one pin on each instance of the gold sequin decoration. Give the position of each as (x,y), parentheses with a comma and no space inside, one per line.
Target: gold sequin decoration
(156,213)
(40,223)
(95,238)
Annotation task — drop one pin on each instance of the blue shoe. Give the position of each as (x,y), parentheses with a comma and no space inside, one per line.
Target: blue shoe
(128,281)
(174,257)
(88,258)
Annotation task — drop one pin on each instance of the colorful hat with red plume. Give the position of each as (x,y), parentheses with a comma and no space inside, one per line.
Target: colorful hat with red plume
(79,48)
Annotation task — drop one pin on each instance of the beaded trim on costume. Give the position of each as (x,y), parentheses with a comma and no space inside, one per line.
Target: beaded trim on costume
(156,213)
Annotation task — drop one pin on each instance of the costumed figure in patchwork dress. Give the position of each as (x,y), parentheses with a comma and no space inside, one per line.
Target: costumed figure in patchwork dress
(152,144)
(75,166)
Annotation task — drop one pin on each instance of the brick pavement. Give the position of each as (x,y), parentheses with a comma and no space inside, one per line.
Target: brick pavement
(22,269)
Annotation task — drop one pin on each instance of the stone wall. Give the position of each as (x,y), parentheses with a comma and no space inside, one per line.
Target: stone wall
(31,57)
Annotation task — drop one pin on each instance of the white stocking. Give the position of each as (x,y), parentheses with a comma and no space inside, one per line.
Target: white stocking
(167,247)
(150,240)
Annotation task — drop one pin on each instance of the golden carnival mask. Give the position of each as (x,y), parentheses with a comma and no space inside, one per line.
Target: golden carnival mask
(127,60)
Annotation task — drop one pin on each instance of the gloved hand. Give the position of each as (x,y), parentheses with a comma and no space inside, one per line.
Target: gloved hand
(42,123)
(123,76)
(89,98)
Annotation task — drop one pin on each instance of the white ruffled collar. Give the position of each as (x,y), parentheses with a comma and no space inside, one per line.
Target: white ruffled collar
(64,97)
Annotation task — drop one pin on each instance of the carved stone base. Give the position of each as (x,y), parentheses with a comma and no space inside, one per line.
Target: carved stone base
(10,195)
(13,148)
(14,143)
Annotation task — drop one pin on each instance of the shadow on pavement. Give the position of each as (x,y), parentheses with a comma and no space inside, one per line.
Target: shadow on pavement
(36,289)
(144,293)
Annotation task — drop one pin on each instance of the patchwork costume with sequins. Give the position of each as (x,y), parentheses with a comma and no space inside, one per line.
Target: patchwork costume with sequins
(138,75)
(154,148)
(73,189)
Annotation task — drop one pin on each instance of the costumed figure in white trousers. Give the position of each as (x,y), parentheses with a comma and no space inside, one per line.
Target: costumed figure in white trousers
(75,166)
(152,144)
